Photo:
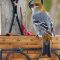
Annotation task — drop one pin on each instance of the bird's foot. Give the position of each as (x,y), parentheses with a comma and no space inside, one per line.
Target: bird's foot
(38,35)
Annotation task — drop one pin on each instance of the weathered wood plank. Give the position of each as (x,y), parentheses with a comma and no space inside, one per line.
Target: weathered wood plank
(26,42)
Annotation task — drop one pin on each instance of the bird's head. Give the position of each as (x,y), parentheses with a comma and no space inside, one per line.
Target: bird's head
(36,5)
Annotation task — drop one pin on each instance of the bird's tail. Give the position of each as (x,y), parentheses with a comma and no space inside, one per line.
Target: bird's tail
(46,49)
(46,45)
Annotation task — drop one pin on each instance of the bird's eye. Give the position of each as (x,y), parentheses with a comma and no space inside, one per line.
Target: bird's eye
(36,4)
(32,5)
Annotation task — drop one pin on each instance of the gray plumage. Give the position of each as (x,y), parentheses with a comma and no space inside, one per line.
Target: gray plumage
(42,23)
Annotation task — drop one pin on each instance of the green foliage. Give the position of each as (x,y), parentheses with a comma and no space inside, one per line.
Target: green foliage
(48,4)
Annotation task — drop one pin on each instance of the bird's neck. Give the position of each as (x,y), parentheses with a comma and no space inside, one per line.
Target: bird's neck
(38,9)
(35,10)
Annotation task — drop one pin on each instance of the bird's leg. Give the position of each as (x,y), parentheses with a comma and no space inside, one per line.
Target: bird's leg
(38,36)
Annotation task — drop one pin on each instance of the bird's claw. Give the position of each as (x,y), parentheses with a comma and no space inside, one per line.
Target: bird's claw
(38,36)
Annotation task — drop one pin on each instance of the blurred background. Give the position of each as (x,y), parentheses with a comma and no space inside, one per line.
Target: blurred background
(52,6)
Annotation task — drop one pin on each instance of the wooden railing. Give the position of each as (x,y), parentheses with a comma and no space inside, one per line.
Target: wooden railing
(24,42)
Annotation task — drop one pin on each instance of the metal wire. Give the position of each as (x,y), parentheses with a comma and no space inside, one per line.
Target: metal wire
(21,51)
(17,51)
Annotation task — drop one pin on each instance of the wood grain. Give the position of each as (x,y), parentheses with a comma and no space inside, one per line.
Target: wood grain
(27,42)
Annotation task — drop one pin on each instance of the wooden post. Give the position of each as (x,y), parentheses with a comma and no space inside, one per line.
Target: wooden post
(0,19)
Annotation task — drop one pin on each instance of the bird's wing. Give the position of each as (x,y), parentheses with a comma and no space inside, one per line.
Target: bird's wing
(40,28)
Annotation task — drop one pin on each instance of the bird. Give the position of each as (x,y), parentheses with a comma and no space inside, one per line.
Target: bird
(42,24)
